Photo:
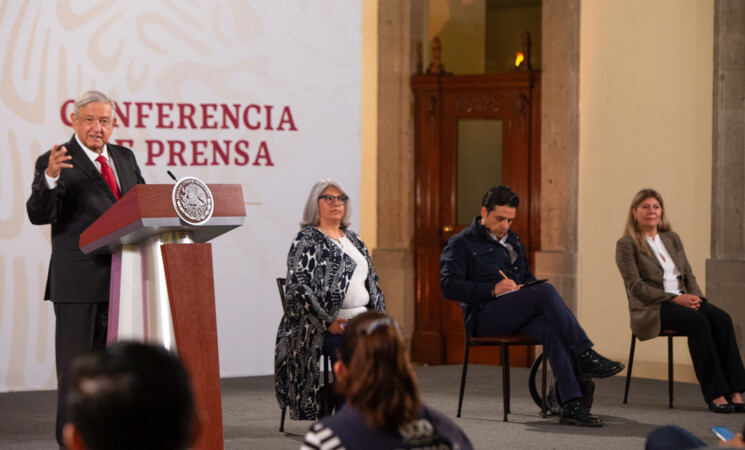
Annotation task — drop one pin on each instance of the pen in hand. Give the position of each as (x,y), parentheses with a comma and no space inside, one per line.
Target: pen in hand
(507,278)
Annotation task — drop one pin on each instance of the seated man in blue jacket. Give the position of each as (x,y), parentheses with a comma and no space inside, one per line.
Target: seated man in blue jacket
(484,267)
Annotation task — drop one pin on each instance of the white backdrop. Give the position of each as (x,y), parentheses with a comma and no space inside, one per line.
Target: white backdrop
(291,72)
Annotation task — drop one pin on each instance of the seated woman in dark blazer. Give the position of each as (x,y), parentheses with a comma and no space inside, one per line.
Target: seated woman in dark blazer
(330,279)
(663,294)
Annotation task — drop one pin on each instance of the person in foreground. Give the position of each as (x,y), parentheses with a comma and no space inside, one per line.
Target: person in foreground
(673,437)
(383,408)
(485,266)
(74,184)
(130,396)
(330,279)
(663,294)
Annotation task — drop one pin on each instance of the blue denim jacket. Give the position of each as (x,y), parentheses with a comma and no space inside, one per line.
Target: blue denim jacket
(470,265)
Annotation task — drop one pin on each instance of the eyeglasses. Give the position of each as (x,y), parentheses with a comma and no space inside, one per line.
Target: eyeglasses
(329,199)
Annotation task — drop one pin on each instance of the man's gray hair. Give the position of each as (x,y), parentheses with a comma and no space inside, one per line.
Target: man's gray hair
(92,97)
(310,213)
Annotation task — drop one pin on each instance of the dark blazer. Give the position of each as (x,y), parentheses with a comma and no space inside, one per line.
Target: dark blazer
(433,430)
(642,274)
(470,265)
(81,196)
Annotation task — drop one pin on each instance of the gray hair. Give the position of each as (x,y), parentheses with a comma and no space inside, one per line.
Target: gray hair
(310,213)
(88,97)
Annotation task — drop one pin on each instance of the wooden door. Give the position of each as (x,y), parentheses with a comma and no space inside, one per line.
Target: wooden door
(451,179)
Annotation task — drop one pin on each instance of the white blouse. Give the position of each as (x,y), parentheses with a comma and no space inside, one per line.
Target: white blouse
(671,277)
(357,297)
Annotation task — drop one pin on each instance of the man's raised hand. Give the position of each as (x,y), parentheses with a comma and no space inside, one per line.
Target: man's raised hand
(58,160)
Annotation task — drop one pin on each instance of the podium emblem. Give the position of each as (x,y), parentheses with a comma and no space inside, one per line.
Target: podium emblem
(193,201)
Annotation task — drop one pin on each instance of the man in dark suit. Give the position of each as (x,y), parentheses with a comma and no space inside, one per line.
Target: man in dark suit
(73,185)
(485,268)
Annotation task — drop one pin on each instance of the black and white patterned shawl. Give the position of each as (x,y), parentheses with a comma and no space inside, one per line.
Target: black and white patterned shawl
(318,275)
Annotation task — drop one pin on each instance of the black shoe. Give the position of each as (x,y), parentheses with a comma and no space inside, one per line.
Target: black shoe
(596,365)
(721,409)
(738,407)
(574,413)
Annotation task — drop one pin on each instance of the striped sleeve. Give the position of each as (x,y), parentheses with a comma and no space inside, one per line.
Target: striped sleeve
(320,437)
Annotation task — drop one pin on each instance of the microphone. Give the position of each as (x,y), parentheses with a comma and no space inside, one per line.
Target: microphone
(172,175)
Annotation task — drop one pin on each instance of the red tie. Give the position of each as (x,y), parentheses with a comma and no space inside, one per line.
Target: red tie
(108,176)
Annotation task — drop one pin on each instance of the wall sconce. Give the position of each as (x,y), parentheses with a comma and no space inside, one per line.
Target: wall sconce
(519,57)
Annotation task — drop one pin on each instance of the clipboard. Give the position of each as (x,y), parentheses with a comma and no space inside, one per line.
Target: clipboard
(532,283)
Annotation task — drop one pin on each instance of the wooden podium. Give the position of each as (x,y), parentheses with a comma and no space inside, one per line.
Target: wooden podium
(162,287)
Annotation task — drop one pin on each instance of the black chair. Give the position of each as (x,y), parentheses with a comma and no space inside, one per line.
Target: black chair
(670,335)
(326,360)
(504,341)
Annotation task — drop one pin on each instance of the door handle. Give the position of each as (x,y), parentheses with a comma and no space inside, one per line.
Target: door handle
(447,228)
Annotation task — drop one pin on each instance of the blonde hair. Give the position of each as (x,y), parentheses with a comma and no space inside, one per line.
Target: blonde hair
(632,228)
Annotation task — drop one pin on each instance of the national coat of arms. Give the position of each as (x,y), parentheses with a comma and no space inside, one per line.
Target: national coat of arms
(193,201)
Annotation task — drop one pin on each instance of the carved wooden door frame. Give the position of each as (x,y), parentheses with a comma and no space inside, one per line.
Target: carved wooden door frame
(440,100)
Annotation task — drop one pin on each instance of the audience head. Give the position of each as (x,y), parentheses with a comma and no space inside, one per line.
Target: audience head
(500,196)
(374,372)
(130,395)
(632,227)
(311,217)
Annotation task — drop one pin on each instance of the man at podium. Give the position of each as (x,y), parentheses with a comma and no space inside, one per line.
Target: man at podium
(73,185)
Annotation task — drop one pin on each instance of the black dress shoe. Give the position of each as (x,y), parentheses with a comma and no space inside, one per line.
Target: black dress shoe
(596,365)
(721,409)
(738,407)
(574,413)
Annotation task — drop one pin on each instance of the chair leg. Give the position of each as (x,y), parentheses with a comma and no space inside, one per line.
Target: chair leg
(506,379)
(544,407)
(670,369)
(282,420)
(463,375)
(628,371)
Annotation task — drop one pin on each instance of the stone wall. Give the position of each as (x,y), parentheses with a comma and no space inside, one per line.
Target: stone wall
(725,271)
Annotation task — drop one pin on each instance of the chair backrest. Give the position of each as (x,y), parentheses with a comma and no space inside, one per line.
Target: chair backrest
(281,286)
(463,308)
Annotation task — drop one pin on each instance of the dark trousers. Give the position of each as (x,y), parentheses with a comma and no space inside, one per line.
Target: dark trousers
(713,346)
(331,343)
(539,312)
(80,328)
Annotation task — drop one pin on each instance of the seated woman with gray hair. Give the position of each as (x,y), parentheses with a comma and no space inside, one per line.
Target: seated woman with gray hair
(330,279)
